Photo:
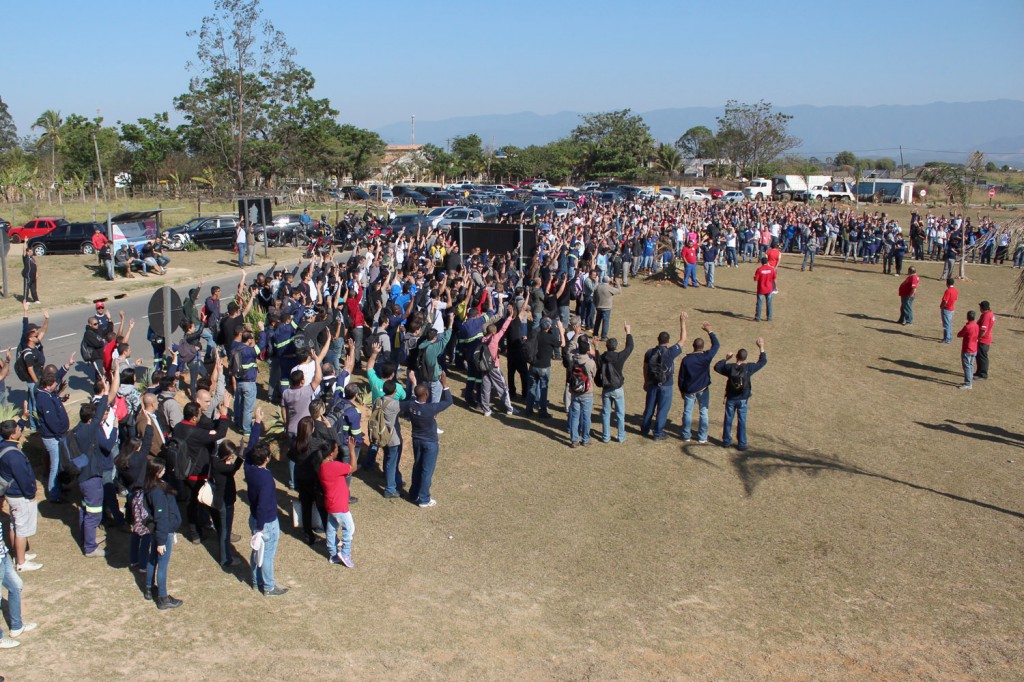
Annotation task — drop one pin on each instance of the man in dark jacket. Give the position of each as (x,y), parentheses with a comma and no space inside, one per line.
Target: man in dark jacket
(199,434)
(96,445)
(695,384)
(15,467)
(737,392)
(610,370)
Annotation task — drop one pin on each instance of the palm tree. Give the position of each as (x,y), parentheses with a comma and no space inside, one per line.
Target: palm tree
(50,122)
(668,159)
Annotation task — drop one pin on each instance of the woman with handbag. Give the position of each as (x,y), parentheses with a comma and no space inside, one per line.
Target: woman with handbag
(131,465)
(307,460)
(162,505)
(222,499)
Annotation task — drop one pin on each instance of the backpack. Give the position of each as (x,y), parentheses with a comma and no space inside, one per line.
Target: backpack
(20,365)
(86,351)
(175,453)
(579,380)
(72,459)
(143,522)
(482,360)
(658,368)
(530,349)
(380,431)
(738,380)
(423,368)
(4,483)
(235,365)
(611,378)
(120,407)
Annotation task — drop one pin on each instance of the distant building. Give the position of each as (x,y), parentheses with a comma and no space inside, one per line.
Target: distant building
(700,168)
(402,159)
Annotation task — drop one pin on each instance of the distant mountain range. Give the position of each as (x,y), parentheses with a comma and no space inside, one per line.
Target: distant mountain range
(943,131)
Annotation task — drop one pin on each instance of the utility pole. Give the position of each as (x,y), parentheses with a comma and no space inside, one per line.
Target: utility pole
(414,129)
(96,147)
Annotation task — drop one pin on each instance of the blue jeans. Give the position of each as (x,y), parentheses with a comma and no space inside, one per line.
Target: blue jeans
(12,581)
(263,576)
(53,446)
(334,356)
(196,369)
(33,419)
(224,520)
(690,275)
(967,360)
(90,513)
(616,399)
(158,563)
(587,314)
(659,398)
(563,315)
(436,389)
(768,306)
(907,309)
(392,475)
(602,326)
(138,549)
(947,325)
(580,407)
(424,454)
(538,394)
(348,529)
(735,407)
(207,337)
(245,403)
(241,253)
(709,274)
(702,399)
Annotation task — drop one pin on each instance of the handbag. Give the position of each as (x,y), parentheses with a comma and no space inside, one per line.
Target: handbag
(205,495)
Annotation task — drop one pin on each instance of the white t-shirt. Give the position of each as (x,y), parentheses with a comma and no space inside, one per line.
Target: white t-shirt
(240,235)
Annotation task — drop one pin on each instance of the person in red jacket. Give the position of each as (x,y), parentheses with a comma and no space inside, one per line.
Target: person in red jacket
(690,259)
(985,324)
(968,348)
(765,278)
(908,289)
(946,308)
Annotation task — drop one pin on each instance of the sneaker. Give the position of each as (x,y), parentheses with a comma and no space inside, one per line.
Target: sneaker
(352,499)
(26,627)
(168,602)
(392,496)
(334,559)
(573,444)
(276,592)
(7,643)
(346,559)
(431,503)
(440,432)
(512,411)
(235,537)
(702,442)
(545,415)
(30,556)
(97,553)
(488,413)
(29,566)
(965,387)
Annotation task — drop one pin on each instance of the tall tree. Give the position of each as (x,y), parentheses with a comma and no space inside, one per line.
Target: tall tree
(669,159)
(468,155)
(754,134)
(82,138)
(50,122)
(150,142)
(697,143)
(615,143)
(238,53)
(845,158)
(8,131)
(359,151)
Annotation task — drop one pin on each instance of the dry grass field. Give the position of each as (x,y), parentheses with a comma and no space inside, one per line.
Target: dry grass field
(872,531)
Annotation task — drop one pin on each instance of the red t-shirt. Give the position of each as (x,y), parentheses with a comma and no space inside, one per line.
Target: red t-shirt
(969,334)
(773,257)
(355,312)
(909,286)
(108,356)
(690,255)
(949,298)
(985,324)
(332,478)
(765,278)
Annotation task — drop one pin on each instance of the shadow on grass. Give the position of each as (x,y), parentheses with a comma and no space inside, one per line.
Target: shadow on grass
(910,364)
(862,316)
(726,313)
(908,375)
(759,464)
(985,432)
(898,332)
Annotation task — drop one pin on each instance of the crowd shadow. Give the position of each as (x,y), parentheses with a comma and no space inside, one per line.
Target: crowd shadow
(758,464)
(862,316)
(909,375)
(900,332)
(910,364)
(726,313)
(983,432)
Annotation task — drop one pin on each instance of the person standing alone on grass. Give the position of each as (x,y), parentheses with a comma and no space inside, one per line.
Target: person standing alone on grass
(908,289)
(695,384)
(659,368)
(765,278)
(737,392)
(946,308)
(968,349)
(985,324)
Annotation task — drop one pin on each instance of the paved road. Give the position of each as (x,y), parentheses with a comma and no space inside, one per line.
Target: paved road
(64,335)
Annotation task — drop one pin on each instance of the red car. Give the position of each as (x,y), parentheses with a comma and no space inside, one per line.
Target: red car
(716,193)
(35,228)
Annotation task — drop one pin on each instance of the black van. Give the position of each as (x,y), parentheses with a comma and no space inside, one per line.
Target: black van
(67,238)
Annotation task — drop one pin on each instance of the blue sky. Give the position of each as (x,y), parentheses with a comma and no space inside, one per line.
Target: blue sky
(380,62)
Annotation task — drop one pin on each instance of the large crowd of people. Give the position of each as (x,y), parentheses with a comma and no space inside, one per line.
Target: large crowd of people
(399,315)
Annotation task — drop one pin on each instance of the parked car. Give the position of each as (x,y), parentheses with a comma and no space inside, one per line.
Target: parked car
(65,238)
(459,214)
(353,193)
(564,207)
(409,223)
(34,228)
(734,197)
(539,208)
(590,185)
(695,194)
(209,231)
(716,193)
(609,197)
(511,209)
(4,225)
(439,213)
(442,199)
(489,211)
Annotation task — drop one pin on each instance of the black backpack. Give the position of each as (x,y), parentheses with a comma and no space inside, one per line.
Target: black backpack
(611,378)
(175,454)
(72,459)
(738,380)
(422,367)
(658,368)
(20,366)
(530,349)
(482,360)
(235,365)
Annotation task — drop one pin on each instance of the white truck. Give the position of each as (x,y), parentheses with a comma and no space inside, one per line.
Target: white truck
(783,186)
(836,191)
